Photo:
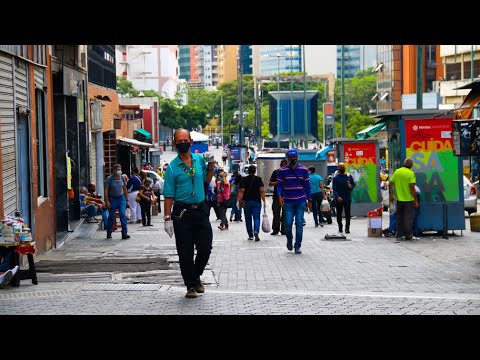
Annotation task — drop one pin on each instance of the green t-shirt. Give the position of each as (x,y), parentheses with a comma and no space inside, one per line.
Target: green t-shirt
(402,178)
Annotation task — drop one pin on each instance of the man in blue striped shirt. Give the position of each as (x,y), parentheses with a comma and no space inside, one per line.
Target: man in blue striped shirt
(293,188)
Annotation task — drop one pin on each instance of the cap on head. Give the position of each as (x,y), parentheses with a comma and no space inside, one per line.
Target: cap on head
(292,152)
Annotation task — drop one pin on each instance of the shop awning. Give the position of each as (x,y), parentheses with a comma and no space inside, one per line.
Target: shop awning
(370,131)
(322,153)
(145,133)
(133,142)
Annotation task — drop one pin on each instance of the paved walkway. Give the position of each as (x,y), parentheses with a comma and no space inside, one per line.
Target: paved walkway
(361,275)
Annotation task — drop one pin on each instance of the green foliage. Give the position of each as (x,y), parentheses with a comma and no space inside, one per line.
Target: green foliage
(192,116)
(125,87)
(358,91)
(169,114)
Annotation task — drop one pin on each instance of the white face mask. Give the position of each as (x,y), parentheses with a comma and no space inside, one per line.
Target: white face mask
(119,172)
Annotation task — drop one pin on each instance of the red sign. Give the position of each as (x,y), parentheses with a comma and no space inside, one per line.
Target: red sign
(428,135)
(360,154)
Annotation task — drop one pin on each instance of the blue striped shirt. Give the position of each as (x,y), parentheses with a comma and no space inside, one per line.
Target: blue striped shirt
(293,184)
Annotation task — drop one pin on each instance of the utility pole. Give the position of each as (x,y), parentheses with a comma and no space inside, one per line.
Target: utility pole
(292,112)
(221,112)
(343,92)
(419,77)
(240,97)
(278,101)
(305,118)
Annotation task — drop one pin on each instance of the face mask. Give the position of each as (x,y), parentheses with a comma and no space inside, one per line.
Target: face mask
(119,172)
(183,147)
(342,171)
(293,162)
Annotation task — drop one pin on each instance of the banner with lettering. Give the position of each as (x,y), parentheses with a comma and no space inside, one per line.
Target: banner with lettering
(361,162)
(429,143)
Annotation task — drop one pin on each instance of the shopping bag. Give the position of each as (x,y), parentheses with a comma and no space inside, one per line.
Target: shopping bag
(265,222)
(127,213)
(155,210)
(325,206)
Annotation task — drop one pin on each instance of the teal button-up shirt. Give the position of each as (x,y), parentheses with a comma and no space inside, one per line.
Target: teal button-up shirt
(178,182)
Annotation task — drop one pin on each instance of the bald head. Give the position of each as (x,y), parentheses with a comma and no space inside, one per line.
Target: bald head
(408,163)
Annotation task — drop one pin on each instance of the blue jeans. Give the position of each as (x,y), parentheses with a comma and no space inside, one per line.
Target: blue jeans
(121,205)
(294,210)
(393,223)
(235,211)
(252,210)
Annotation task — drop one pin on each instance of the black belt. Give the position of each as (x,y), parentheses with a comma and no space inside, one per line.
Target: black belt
(189,206)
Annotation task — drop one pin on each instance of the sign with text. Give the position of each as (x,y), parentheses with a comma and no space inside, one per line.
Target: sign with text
(361,162)
(429,143)
(328,113)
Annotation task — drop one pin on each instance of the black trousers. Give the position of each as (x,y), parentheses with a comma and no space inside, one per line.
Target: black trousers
(404,217)
(192,230)
(145,207)
(278,223)
(340,206)
(316,203)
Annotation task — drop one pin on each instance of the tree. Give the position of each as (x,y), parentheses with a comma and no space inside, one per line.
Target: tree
(169,114)
(192,116)
(125,87)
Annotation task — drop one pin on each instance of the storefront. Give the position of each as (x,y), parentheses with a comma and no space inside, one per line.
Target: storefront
(131,152)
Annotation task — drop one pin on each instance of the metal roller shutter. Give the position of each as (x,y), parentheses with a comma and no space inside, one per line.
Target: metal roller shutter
(39,77)
(7,130)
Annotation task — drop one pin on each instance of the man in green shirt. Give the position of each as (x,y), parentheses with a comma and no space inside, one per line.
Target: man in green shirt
(403,181)
(186,213)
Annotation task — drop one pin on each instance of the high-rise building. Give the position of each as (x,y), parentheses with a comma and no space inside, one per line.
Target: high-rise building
(184,62)
(150,67)
(274,58)
(246,60)
(356,58)
(397,74)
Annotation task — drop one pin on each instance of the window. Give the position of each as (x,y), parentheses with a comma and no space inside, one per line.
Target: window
(42,145)
(453,71)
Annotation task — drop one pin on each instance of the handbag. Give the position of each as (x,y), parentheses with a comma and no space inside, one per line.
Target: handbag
(138,198)
(265,222)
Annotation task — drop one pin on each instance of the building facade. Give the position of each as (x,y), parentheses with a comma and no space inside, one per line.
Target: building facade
(184,62)
(246,59)
(356,58)
(27,180)
(457,70)
(275,58)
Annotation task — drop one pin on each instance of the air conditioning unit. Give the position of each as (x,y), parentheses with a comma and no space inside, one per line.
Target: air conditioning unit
(82,56)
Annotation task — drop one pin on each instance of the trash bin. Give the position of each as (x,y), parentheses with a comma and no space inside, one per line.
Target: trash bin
(475,222)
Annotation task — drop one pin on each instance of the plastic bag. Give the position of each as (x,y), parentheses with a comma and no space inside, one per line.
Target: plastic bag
(324,206)
(265,222)
(127,213)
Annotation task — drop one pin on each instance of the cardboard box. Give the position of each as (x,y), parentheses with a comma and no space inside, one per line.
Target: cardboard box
(375,226)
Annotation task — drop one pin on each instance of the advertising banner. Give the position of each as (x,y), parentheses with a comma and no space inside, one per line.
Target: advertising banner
(464,135)
(361,163)
(429,143)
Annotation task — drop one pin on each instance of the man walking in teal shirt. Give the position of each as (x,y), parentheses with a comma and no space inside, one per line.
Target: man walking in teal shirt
(318,194)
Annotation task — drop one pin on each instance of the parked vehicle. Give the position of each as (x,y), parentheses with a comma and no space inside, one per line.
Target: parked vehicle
(470,196)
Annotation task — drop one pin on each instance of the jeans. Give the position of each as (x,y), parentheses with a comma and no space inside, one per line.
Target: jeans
(316,203)
(121,205)
(252,210)
(294,210)
(235,211)
(393,223)
(89,210)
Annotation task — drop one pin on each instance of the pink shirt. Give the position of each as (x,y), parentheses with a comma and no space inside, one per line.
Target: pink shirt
(223,194)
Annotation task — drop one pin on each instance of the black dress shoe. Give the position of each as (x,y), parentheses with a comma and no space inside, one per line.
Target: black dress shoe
(274,233)
(126,236)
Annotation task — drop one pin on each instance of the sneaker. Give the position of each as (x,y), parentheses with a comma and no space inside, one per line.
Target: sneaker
(6,277)
(220,226)
(125,236)
(298,251)
(256,237)
(289,245)
(347,231)
(250,238)
(231,218)
(316,225)
(191,293)
(321,225)
(109,236)
(304,223)
(199,287)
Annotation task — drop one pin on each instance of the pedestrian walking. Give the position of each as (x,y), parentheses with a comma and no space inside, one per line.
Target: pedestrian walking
(133,186)
(278,223)
(116,199)
(223,195)
(293,187)
(402,189)
(146,194)
(342,186)
(236,212)
(318,194)
(184,188)
(157,190)
(251,192)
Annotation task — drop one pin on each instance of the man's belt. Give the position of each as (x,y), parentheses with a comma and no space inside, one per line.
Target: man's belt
(189,206)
